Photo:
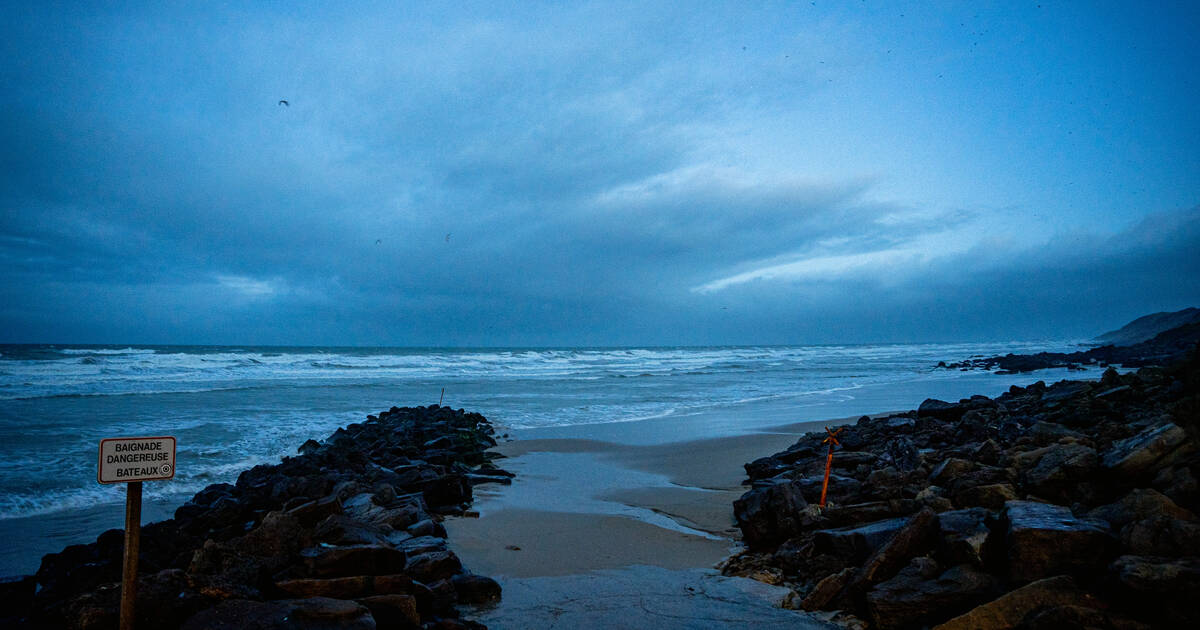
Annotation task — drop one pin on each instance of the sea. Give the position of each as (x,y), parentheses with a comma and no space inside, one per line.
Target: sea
(231,408)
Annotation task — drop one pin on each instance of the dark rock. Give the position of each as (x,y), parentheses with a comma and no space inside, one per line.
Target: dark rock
(313,512)
(827,589)
(1060,469)
(475,589)
(991,496)
(915,538)
(316,613)
(902,453)
(771,512)
(1008,610)
(432,566)
(962,535)
(1147,451)
(941,410)
(1160,587)
(1139,504)
(337,588)
(1044,540)
(856,543)
(910,600)
(372,559)
(951,468)
(1161,536)
(397,612)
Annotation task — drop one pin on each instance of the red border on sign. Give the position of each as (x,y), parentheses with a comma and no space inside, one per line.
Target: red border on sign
(100,458)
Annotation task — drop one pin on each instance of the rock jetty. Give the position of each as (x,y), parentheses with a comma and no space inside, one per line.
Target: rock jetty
(1050,506)
(347,534)
(1164,348)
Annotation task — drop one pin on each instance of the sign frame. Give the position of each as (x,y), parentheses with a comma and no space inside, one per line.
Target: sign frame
(169,462)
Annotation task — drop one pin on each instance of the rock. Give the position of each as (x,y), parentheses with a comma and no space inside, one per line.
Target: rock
(945,473)
(397,612)
(827,590)
(341,530)
(316,511)
(427,527)
(317,613)
(909,600)
(1008,610)
(962,535)
(992,496)
(337,588)
(1161,536)
(353,560)
(915,538)
(1147,451)
(941,410)
(1074,616)
(475,589)
(433,566)
(1138,504)
(771,512)
(1043,540)
(1060,469)
(1159,586)
(856,543)
(989,453)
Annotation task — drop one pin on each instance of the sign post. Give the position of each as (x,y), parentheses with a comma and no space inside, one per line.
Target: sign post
(132,461)
(832,441)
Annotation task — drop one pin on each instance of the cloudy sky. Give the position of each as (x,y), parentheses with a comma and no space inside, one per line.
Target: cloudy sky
(595,174)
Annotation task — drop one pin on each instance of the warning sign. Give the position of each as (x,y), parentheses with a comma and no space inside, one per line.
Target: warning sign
(136,459)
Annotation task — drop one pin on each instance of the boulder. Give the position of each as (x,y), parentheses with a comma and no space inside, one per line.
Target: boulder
(854,544)
(337,588)
(1043,540)
(475,589)
(1161,536)
(1147,451)
(962,535)
(827,589)
(398,612)
(1060,469)
(910,600)
(992,496)
(433,566)
(353,560)
(316,613)
(771,512)
(915,538)
(941,410)
(1008,610)
(1139,504)
(1160,586)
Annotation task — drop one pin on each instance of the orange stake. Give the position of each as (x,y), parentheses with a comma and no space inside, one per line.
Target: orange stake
(832,441)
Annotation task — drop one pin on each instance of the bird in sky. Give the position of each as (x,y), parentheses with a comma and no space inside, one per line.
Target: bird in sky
(447,237)
(284,103)
(378,241)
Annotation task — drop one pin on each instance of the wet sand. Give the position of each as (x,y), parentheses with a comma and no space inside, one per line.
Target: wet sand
(588,507)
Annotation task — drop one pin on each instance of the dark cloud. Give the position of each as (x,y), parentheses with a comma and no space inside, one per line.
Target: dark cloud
(596,176)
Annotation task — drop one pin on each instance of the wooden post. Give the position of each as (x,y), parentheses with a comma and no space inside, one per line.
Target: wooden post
(831,441)
(442,397)
(133,536)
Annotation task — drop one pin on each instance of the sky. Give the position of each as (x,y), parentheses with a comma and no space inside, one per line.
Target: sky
(595,174)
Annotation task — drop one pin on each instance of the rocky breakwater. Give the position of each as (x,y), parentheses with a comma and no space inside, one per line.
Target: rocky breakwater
(347,534)
(1068,505)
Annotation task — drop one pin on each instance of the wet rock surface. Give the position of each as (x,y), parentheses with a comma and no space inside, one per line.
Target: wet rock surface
(347,534)
(1050,506)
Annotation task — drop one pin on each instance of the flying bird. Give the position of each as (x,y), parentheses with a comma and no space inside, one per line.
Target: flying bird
(378,241)
(284,103)
(447,237)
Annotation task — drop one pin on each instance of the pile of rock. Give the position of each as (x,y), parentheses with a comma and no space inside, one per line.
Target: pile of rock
(1070,505)
(347,534)
(1164,348)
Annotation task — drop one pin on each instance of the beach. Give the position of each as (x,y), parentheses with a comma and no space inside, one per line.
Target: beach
(587,516)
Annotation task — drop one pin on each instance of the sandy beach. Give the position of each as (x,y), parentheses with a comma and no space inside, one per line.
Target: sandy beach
(629,512)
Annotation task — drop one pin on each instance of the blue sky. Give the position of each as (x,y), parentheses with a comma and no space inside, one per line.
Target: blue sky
(595,174)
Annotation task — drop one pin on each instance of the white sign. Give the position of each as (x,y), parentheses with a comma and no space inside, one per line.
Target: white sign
(136,459)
